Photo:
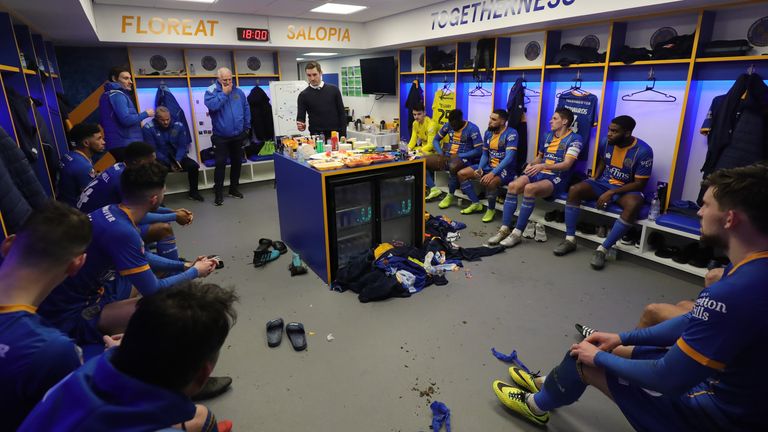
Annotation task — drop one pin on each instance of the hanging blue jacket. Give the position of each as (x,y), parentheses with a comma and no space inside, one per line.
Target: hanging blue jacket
(118,117)
(165,98)
(98,397)
(230,114)
(171,143)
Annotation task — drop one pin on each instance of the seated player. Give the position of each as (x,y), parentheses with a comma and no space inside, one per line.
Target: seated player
(655,313)
(423,134)
(465,147)
(549,174)
(77,166)
(166,355)
(33,355)
(87,306)
(496,165)
(700,371)
(623,169)
(171,141)
(154,227)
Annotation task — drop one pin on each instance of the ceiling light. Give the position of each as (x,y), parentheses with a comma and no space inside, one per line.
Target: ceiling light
(319,54)
(299,58)
(198,1)
(340,9)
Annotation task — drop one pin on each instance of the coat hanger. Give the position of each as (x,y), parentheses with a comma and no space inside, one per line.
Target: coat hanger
(446,87)
(751,69)
(162,85)
(632,97)
(479,91)
(575,87)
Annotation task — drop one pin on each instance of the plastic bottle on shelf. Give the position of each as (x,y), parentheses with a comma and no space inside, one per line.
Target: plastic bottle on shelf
(23,60)
(191,69)
(655,208)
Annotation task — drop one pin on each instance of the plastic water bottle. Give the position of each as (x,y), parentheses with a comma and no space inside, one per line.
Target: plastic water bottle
(191,69)
(655,208)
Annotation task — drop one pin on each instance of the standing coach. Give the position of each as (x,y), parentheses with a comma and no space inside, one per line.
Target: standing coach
(231,118)
(323,103)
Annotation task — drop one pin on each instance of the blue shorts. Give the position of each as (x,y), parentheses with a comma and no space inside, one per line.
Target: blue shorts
(600,187)
(560,184)
(85,329)
(505,175)
(647,410)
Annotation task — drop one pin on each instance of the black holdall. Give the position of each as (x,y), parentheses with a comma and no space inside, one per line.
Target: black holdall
(726,48)
(677,47)
(570,54)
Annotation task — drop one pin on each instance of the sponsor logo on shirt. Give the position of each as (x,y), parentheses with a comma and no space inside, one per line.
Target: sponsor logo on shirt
(705,305)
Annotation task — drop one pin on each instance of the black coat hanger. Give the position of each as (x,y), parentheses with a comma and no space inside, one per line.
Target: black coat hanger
(479,91)
(575,88)
(648,92)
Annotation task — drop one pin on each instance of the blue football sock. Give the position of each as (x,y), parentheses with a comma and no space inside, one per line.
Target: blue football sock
(510,207)
(526,209)
(430,179)
(571,219)
(469,190)
(166,248)
(491,198)
(563,386)
(453,184)
(619,229)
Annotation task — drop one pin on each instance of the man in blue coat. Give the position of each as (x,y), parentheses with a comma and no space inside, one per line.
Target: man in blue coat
(171,141)
(231,118)
(117,113)
(77,166)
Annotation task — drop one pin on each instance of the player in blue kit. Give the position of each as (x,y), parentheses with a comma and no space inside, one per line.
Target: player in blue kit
(155,226)
(167,353)
(463,149)
(702,371)
(86,306)
(77,166)
(496,166)
(549,174)
(622,173)
(33,355)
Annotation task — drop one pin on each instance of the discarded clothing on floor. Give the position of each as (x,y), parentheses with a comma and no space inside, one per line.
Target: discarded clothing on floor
(440,226)
(406,261)
(511,358)
(441,415)
(453,253)
(360,276)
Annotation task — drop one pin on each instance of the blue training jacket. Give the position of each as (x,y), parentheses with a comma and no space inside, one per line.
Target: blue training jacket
(230,114)
(98,397)
(165,98)
(118,117)
(170,144)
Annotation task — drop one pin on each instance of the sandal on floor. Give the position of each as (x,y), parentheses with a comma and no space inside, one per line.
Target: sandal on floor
(274,332)
(264,244)
(296,335)
(279,246)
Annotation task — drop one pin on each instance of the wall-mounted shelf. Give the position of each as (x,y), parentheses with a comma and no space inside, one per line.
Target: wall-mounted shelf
(731,59)
(650,62)
(518,68)
(449,71)
(577,66)
(5,68)
(29,72)
(162,76)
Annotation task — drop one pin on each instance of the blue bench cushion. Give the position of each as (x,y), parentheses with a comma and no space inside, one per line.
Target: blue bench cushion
(210,163)
(256,158)
(680,223)
(612,207)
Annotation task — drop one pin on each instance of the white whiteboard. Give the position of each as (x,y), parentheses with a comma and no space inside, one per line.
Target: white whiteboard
(284,95)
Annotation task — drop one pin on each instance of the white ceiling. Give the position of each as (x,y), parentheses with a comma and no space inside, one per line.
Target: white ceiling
(286,8)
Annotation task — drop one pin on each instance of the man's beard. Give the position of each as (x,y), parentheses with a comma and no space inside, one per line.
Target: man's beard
(713,241)
(494,129)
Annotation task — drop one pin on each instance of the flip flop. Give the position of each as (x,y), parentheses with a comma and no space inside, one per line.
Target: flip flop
(296,335)
(264,244)
(274,332)
(219,261)
(280,246)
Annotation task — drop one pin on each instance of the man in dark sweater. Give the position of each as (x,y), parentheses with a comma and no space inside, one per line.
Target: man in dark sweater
(323,103)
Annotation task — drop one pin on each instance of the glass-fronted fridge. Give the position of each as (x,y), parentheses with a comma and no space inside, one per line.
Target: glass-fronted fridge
(369,208)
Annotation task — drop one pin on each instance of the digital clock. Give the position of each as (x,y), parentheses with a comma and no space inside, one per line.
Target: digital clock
(252,34)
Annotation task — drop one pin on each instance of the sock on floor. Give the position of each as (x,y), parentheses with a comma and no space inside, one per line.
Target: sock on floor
(166,248)
(510,207)
(571,219)
(526,209)
(469,190)
(430,179)
(563,386)
(617,232)
(453,184)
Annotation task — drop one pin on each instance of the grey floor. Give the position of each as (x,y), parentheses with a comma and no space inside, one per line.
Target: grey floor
(377,373)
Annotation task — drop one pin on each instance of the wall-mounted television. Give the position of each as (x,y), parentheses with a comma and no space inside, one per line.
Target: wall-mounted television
(379,75)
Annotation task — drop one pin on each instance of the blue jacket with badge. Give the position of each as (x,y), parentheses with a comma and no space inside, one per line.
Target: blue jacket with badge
(230,114)
(171,143)
(99,397)
(118,117)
